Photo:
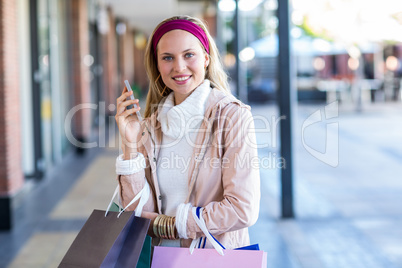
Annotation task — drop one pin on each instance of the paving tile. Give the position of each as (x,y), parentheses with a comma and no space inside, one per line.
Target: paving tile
(44,250)
(32,214)
(386,233)
(93,191)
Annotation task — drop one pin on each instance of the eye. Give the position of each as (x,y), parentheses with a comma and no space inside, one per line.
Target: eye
(189,55)
(167,58)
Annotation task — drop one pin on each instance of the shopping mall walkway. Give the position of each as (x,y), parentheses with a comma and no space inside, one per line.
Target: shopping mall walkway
(346,216)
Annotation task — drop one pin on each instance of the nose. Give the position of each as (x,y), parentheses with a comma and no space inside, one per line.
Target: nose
(179,65)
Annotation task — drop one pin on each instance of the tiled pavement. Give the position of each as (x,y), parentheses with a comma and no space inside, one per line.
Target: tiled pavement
(346,216)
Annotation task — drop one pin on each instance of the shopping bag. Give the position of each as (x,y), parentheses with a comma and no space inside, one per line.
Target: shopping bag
(250,247)
(145,256)
(249,256)
(109,241)
(109,238)
(115,207)
(181,257)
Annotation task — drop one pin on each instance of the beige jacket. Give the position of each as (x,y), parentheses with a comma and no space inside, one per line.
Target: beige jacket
(223,172)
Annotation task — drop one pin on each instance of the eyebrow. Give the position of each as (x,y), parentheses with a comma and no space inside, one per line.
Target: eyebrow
(184,51)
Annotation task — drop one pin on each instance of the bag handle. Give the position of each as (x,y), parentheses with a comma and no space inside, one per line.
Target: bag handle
(198,210)
(197,214)
(143,195)
(111,201)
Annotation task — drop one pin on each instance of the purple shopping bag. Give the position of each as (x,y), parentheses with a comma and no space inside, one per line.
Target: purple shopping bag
(181,257)
(109,238)
(107,241)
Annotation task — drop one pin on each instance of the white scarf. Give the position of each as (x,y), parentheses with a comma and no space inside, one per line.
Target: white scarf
(177,120)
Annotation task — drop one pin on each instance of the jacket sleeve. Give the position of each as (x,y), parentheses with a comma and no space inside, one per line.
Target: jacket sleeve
(131,176)
(240,176)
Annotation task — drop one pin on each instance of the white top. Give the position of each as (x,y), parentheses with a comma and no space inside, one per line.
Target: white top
(180,125)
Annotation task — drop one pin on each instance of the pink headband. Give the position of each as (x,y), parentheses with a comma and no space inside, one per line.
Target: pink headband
(185,25)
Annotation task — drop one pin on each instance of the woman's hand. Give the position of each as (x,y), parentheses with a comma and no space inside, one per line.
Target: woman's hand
(128,123)
(151,216)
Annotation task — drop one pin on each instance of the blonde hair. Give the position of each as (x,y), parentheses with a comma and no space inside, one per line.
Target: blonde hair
(158,90)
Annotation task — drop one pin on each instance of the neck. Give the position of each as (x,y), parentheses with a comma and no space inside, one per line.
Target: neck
(179,98)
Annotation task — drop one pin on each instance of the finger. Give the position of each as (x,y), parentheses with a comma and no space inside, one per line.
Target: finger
(130,112)
(127,116)
(123,105)
(123,113)
(149,215)
(123,97)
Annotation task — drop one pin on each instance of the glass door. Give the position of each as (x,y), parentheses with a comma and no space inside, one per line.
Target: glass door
(42,76)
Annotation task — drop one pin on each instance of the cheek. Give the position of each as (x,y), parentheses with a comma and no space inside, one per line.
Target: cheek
(198,65)
(164,72)
(163,68)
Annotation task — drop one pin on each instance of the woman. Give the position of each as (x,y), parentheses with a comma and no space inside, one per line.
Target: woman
(194,147)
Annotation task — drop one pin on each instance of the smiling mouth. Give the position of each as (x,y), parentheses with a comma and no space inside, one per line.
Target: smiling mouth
(182,78)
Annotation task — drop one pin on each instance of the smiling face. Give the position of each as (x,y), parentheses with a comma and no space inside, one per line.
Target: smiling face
(181,62)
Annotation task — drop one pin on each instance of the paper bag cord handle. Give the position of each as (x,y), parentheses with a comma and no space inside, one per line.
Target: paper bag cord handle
(201,223)
(143,195)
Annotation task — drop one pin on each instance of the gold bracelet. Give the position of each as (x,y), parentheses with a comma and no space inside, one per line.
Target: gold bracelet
(175,234)
(155,226)
(162,227)
(169,226)
(159,226)
(165,227)
(172,225)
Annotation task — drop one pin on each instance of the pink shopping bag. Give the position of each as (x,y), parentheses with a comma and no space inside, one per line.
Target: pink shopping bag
(165,257)
(181,257)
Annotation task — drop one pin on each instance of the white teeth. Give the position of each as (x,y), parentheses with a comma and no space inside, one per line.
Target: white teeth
(181,78)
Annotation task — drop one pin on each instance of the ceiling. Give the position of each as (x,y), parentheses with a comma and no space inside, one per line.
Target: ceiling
(146,14)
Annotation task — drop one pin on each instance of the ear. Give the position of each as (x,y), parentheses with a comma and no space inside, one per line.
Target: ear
(206,60)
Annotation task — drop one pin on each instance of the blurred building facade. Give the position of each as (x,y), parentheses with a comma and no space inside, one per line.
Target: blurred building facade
(62,67)
(63,64)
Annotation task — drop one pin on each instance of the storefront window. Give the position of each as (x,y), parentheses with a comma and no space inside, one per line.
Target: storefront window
(257,25)
(42,76)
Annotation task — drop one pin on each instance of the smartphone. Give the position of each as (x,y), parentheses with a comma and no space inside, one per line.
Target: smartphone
(132,98)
